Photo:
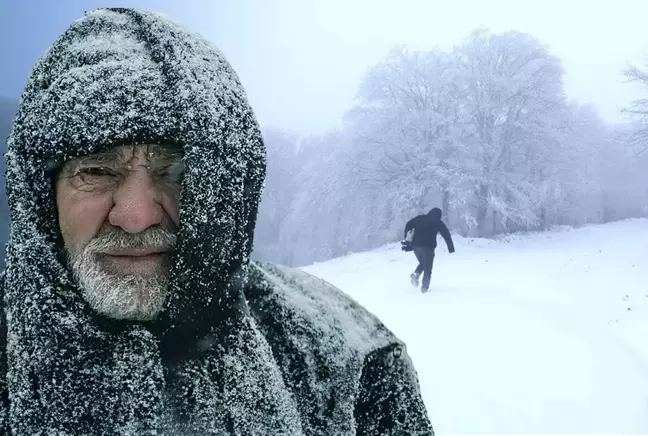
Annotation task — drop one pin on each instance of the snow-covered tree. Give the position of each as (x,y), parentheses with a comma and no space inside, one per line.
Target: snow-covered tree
(283,162)
(404,135)
(638,109)
(483,131)
(512,95)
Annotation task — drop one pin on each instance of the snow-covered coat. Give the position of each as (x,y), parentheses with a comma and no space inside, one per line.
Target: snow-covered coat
(241,348)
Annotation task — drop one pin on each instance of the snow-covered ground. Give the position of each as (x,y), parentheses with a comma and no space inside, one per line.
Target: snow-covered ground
(545,332)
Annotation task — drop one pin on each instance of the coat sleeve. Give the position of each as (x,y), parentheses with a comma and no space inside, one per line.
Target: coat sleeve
(389,402)
(443,229)
(409,226)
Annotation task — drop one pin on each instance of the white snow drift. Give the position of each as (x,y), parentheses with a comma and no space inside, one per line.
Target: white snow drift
(537,333)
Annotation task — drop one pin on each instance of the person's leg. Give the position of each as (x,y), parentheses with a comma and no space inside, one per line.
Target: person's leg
(420,257)
(431,260)
(427,269)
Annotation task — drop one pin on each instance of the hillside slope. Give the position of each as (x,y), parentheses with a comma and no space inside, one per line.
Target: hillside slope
(536,333)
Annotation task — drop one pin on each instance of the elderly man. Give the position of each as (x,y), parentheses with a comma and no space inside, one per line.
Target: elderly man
(131,305)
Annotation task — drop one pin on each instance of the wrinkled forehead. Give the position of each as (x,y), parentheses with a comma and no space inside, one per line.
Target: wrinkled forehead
(151,154)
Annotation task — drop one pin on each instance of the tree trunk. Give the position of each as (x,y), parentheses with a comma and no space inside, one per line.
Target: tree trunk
(510,225)
(482,210)
(446,205)
(422,205)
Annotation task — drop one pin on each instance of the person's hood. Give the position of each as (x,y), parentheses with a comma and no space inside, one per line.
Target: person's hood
(123,76)
(435,213)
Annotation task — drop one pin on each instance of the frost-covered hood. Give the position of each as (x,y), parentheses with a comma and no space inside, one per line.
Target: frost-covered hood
(122,76)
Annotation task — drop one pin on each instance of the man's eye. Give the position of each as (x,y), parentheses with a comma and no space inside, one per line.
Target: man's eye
(95,174)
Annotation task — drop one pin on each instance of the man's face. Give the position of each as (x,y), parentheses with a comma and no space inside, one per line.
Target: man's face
(118,214)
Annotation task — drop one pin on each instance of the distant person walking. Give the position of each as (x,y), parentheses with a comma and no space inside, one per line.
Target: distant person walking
(421,237)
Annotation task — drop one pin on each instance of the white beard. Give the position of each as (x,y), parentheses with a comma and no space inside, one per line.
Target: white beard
(129,297)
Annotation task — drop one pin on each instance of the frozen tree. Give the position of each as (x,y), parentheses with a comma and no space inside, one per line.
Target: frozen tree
(283,160)
(404,134)
(315,226)
(623,176)
(483,131)
(638,110)
(512,94)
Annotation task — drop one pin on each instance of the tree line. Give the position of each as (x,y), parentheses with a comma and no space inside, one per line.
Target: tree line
(484,131)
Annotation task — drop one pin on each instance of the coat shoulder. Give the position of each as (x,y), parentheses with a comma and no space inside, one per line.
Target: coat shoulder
(347,371)
(305,305)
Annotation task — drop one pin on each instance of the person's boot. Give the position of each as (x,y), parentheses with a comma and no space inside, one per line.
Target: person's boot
(414,279)
(425,284)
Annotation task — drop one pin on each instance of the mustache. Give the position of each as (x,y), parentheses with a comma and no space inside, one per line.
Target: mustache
(116,239)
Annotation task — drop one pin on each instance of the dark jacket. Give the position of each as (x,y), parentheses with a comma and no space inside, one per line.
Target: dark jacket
(426,227)
(241,347)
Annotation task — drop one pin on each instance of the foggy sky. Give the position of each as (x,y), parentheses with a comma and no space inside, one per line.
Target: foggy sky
(301,60)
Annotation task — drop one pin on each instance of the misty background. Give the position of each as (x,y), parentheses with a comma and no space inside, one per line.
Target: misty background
(511,116)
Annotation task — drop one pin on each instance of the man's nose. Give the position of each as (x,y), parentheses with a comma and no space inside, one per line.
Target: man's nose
(137,203)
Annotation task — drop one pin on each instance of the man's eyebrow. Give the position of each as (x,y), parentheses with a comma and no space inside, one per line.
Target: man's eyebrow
(104,158)
(101,158)
(165,154)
